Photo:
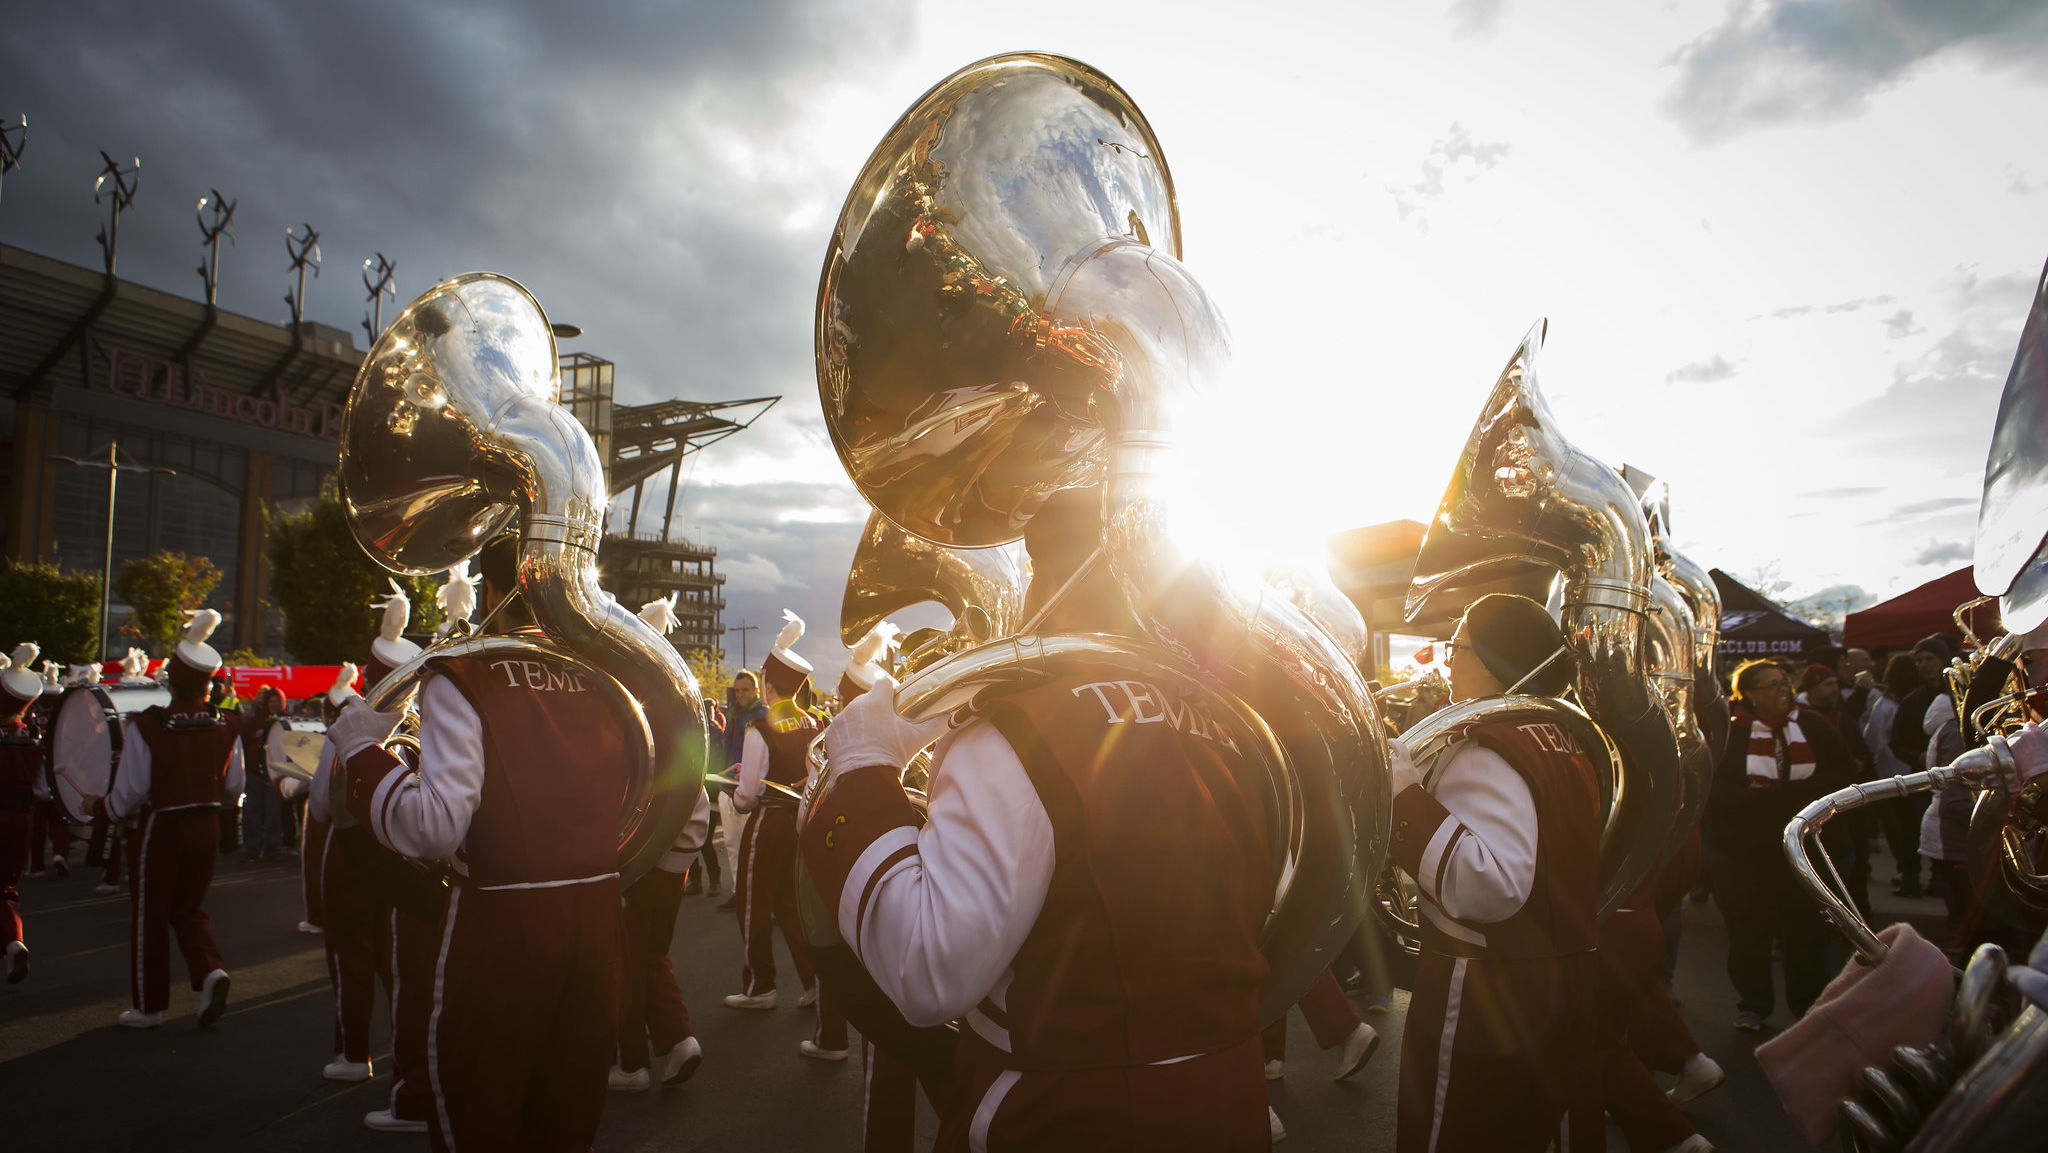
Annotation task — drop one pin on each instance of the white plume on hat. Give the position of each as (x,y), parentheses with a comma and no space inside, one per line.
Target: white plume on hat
(52,672)
(20,677)
(791,632)
(391,647)
(457,597)
(193,650)
(660,613)
(344,685)
(870,661)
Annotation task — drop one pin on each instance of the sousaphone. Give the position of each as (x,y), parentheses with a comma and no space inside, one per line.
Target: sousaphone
(1003,315)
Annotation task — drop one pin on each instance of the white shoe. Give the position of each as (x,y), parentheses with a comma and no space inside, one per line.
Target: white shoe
(385,1121)
(757,1001)
(60,866)
(680,1063)
(635,1082)
(310,927)
(819,1052)
(1700,1075)
(213,997)
(343,1069)
(106,887)
(1358,1049)
(809,998)
(17,962)
(34,873)
(1276,1069)
(1692,1144)
(1273,1123)
(134,1020)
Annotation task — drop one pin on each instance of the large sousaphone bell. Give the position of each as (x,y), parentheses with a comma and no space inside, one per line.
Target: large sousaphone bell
(1003,316)
(1523,499)
(452,433)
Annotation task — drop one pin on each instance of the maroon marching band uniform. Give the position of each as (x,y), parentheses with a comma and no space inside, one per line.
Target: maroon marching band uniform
(1129,1017)
(1496,1048)
(651,1006)
(21,762)
(171,853)
(525,981)
(356,940)
(765,889)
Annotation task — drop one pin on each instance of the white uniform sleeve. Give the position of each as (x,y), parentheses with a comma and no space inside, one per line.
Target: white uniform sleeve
(231,786)
(426,815)
(753,771)
(323,773)
(131,776)
(942,925)
(1480,868)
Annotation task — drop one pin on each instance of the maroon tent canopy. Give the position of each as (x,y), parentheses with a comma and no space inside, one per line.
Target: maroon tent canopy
(1920,612)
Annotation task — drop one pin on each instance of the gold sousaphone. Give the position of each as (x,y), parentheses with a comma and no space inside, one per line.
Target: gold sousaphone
(453,433)
(1003,316)
(1523,499)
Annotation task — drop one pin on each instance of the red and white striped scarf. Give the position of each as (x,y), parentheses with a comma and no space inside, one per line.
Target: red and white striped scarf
(1776,752)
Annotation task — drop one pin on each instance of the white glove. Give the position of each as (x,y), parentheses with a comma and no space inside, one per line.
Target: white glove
(1402,766)
(869,732)
(2030,752)
(359,727)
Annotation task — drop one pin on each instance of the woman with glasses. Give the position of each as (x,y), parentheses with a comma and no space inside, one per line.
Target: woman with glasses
(1505,848)
(1779,759)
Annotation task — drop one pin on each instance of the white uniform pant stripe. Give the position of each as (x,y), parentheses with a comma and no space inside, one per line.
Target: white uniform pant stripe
(1444,1048)
(396,988)
(140,864)
(747,908)
(985,1113)
(434,1022)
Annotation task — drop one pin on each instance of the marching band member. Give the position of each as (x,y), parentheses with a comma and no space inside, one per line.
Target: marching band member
(21,767)
(49,825)
(775,748)
(359,953)
(651,1007)
(262,807)
(1087,892)
(521,768)
(104,848)
(179,766)
(1505,849)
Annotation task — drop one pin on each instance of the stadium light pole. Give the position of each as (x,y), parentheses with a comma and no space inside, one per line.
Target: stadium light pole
(114,469)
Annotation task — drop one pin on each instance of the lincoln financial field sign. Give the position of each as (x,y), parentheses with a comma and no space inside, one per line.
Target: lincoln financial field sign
(131,373)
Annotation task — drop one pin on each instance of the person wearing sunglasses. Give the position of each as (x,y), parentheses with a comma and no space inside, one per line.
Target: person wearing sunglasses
(1504,844)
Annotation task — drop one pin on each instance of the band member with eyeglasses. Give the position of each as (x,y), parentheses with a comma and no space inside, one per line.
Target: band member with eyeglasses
(1779,759)
(522,764)
(180,766)
(1504,846)
(21,772)
(1087,892)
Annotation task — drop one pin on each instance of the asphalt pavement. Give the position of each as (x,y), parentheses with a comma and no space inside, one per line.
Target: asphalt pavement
(70,1079)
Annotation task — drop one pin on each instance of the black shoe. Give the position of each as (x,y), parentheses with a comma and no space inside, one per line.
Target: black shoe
(60,866)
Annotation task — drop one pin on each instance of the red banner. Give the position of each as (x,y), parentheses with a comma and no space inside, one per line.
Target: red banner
(296,682)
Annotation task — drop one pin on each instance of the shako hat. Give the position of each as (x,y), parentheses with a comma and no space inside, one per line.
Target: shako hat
(390,649)
(870,661)
(193,662)
(783,668)
(20,684)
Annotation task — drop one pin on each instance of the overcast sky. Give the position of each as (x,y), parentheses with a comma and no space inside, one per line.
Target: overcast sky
(1785,248)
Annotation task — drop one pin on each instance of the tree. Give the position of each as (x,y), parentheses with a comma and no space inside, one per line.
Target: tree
(58,610)
(713,678)
(323,583)
(160,589)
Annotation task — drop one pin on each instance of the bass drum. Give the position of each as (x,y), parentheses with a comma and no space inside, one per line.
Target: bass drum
(291,748)
(85,740)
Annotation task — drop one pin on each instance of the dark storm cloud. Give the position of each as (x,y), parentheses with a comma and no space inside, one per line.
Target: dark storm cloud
(567,145)
(1806,60)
